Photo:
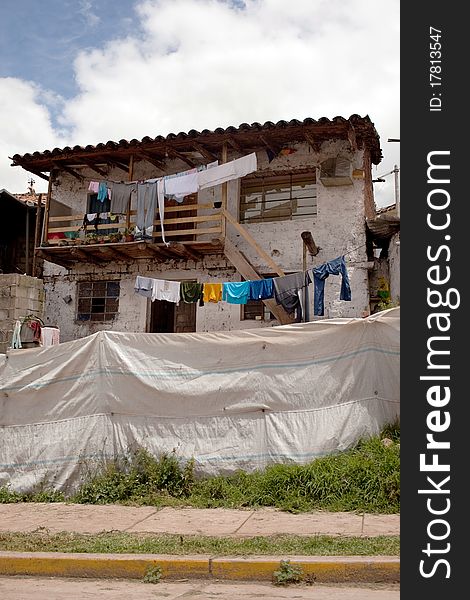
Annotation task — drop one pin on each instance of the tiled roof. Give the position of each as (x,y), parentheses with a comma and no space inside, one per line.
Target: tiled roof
(245,134)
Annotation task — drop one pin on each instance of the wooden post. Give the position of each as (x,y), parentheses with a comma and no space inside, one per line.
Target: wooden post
(224,192)
(131,175)
(45,228)
(37,233)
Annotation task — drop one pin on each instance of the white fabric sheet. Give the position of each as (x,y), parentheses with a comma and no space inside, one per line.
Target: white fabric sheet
(231,399)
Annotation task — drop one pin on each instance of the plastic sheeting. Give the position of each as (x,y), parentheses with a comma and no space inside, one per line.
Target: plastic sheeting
(231,400)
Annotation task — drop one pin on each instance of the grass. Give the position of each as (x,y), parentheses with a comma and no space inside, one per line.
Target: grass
(365,478)
(128,543)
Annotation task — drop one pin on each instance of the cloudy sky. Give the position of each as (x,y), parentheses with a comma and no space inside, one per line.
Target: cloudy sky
(89,71)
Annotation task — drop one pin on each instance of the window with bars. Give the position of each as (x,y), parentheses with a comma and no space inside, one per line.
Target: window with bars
(278,197)
(97,300)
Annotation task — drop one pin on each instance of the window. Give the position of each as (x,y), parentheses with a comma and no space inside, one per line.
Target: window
(97,300)
(278,198)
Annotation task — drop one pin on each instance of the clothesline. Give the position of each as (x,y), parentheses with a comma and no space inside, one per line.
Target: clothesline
(290,291)
(177,186)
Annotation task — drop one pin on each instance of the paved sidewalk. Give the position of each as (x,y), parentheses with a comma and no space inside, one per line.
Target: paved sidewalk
(83,518)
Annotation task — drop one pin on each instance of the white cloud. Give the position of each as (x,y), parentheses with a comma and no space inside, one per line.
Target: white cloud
(203,63)
(86,9)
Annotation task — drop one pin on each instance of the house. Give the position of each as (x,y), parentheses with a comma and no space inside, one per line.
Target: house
(21,290)
(307,202)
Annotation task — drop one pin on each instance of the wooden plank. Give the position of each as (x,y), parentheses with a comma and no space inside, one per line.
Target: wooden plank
(200,219)
(184,250)
(34,171)
(207,154)
(270,144)
(187,232)
(37,233)
(183,207)
(276,268)
(315,145)
(114,253)
(66,218)
(45,225)
(185,159)
(224,189)
(93,167)
(235,144)
(85,256)
(152,160)
(72,172)
(248,272)
(51,257)
(118,164)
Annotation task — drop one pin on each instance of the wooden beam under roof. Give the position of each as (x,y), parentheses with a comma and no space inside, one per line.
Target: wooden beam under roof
(114,253)
(34,171)
(92,165)
(86,256)
(183,250)
(119,165)
(270,144)
(176,154)
(207,154)
(152,160)
(51,257)
(72,172)
(314,144)
(234,144)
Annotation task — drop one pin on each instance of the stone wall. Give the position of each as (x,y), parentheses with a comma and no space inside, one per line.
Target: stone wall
(338,228)
(20,296)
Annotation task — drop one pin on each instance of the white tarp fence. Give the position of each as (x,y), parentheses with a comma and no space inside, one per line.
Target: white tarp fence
(231,400)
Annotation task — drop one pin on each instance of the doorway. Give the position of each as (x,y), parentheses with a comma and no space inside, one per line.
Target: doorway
(166,317)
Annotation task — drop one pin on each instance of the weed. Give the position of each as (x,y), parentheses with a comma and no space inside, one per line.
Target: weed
(287,573)
(152,574)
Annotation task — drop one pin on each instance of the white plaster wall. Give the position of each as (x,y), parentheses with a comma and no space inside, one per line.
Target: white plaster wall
(394,266)
(338,228)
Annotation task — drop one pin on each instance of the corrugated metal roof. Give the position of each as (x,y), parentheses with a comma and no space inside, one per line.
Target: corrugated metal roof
(361,127)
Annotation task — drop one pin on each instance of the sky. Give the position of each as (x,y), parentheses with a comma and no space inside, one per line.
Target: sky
(89,71)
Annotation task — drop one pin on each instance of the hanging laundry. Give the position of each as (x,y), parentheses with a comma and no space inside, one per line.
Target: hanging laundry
(50,336)
(102,191)
(191,291)
(212,292)
(94,186)
(146,207)
(227,171)
(261,289)
(236,292)
(287,292)
(318,275)
(36,327)
(167,290)
(179,187)
(16,337)
(145,286)
(121,196)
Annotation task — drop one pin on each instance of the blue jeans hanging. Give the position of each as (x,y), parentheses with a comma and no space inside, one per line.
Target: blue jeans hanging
(336,266)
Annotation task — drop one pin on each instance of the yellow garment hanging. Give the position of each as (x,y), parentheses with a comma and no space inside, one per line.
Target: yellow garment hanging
(212,292)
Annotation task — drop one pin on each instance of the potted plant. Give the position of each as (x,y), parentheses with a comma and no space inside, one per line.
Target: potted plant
(91,238)
(129,233)
(115,237)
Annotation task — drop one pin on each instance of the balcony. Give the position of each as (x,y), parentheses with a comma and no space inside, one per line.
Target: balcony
(189,235)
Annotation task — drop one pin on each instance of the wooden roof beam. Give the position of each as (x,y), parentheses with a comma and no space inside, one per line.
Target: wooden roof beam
(50,257)
(207,154)
(185,159)
(314,144)
(93,167)
(34,171)
(183,250)
(270,144)
(114,253)
(153,161)
(72,172)
(119,165)
(86,256)
(234,144)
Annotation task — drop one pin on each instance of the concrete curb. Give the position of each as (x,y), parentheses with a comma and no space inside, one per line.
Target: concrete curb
(325,569)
